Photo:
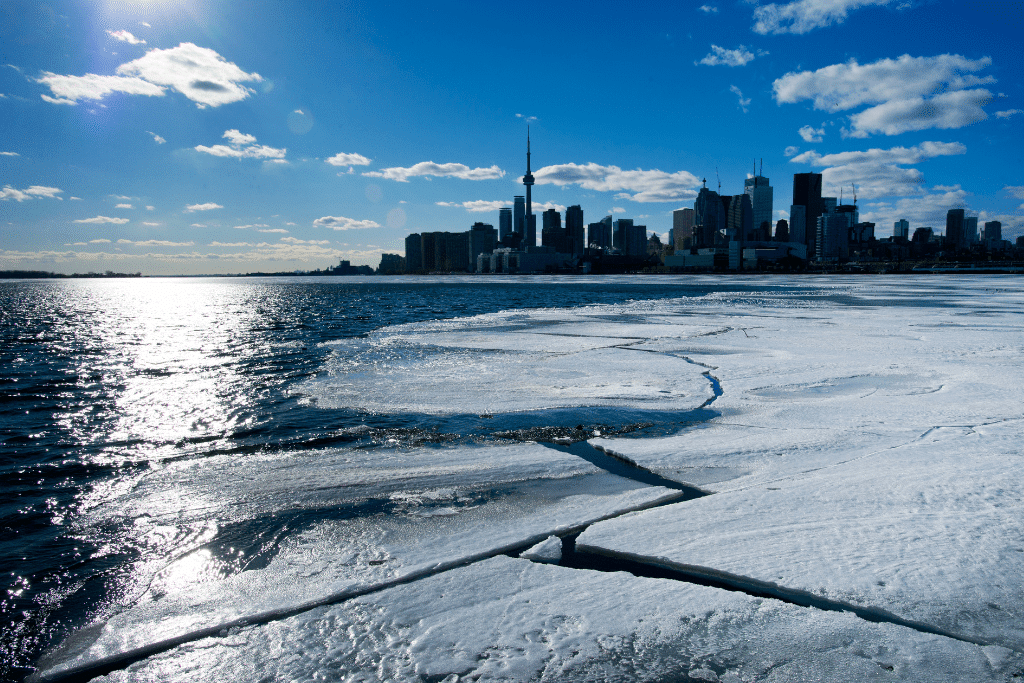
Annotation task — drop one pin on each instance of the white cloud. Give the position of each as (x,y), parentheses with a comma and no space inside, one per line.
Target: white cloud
(124,206)
(230,244)
(236,138)
(544,206)
(342,223)
(75,199)
(844,86)
(198,73)
(150,208)
(142,23)
(71,89)
(528,119)
(895,155)
(811,134)
(928,209)
(431,169)
(478,205)
(803,16)
(99,241)
(343,159)
(790,151)
(252,225)
(273,230)
(708,9)
(290,223)
(202,207)
(618,209)
(9,154)
(737,57)
(948,110)
(878,172)
(296,240)
(33,192)
(1016,191)
(103,219)
(126,37)
(199,225)
(156,243)
(1008,113)
(744,103)
(159,140)
(647,186)
(242,146)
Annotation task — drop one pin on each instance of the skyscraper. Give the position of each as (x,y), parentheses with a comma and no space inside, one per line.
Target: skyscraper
(682,228)
(993,231)
(531,220)
(761,196)
(740,220)
(901,229)
(798,223)
(577,241)
(504,224)
(600,234)
(619,236)
(970,231)
(807,193)
(708,217)
(551,234)
(519,217)
(955,227)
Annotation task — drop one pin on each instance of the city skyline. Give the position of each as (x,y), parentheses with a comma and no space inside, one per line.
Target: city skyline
(204,139)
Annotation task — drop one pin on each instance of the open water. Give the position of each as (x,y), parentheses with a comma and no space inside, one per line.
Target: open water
(104,380)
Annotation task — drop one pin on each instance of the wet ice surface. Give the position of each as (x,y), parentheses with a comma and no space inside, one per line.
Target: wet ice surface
(863,454)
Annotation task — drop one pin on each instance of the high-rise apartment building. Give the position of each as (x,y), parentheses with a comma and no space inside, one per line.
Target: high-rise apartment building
(413,253)
(619,238)
(600,234)
(970,231)
(483,238)
(798,224)
(993,231)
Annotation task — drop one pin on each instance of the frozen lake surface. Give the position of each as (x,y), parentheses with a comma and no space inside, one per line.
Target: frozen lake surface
(857,442)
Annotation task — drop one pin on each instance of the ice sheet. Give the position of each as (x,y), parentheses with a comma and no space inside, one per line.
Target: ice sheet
(507,363)
(494,499)
(513,620)
(932,532)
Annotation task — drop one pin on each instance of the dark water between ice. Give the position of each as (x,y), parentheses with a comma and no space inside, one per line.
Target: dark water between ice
(104,379)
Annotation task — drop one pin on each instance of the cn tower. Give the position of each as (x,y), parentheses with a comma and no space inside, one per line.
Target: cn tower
(528,181)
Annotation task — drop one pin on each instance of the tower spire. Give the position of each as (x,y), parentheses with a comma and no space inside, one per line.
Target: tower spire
(530,228)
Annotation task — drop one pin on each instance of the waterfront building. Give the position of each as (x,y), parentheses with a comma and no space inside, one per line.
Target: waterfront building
(782,230)
(599,235)
(993,232)
(708,217)
(482,239)
(413,253)
(970,231)
(798,223)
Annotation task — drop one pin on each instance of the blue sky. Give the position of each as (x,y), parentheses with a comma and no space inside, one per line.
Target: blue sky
(224,137)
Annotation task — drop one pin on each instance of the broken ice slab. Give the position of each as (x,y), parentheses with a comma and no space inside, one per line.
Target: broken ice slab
(514,620)
(517,496)
(932,532)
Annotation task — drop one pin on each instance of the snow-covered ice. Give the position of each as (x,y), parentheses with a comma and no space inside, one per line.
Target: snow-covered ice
(508,619)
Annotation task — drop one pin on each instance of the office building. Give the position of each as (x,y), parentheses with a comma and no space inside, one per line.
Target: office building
(807,193)
(599,235)
(901,229)
(782,230)
(740,219)
(682,228)
(504,224)
(574,230)
(519,217)
(993,232)
(552,235)
(970,231)
(955,228)
(619,238)
(798,224)
(708,217)
(483,239)
(761,196)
